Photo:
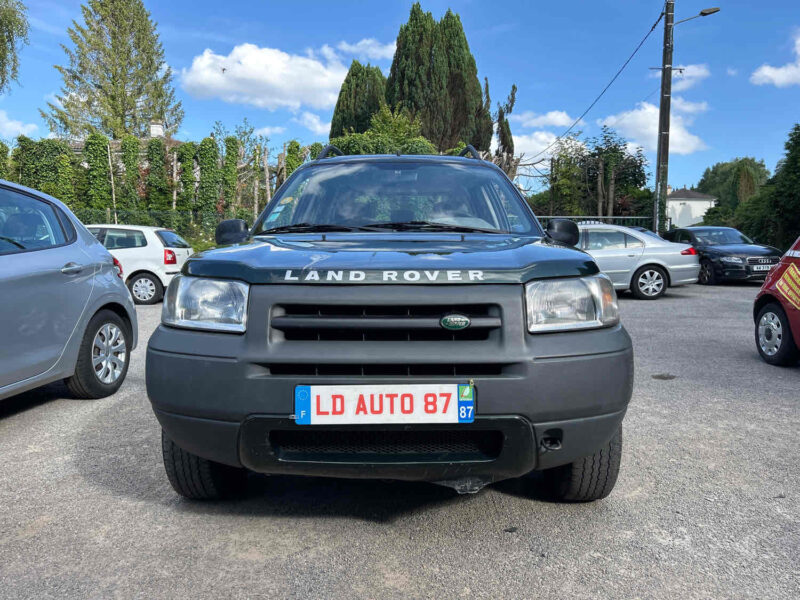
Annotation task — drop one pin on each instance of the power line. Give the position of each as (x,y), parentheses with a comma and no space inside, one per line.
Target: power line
(605,89)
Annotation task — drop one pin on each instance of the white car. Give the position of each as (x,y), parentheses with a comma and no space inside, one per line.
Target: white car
(644,263)
(150,257)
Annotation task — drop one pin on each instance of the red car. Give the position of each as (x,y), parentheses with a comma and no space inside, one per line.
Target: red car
(777,311)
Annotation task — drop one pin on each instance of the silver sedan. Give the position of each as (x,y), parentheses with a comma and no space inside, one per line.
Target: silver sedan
(642,262)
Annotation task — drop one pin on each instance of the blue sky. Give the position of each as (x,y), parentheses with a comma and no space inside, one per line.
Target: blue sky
(284,61)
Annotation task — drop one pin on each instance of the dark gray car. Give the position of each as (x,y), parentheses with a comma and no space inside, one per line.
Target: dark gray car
(66,313)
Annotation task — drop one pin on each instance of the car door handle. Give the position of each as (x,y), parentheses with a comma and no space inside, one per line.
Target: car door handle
(631,255)
(71,268)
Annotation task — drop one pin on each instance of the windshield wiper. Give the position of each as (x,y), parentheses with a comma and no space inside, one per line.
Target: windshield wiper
(307,228)
(10,241)
(428,226)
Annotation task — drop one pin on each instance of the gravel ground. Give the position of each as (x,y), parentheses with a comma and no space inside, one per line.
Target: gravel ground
(707,503)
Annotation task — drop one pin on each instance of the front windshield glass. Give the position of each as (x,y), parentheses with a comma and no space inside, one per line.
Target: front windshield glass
(715,237)
(398,195)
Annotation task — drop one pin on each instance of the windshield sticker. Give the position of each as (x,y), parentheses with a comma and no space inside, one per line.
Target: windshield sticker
(789,285)
(287,200)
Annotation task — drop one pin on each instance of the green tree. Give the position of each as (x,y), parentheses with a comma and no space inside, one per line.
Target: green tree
(434,79)
(732,183)
(389,132)
(185,156)
(13,36)
(128,195)
(116,80)
(229,163)
(294,157)
(95,153)
(361,96)
(208,185)
(64,186)
(45,165)
(4,167)
(157,190)
(773,214)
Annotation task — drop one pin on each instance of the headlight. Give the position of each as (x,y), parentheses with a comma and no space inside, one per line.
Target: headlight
(565,304)
(732,259)
(201,303)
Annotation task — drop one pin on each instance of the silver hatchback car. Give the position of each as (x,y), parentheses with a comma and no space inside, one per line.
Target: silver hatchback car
(642,262)
(65,312)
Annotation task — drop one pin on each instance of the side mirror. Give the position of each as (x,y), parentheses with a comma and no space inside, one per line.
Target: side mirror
(563,231)
(231,231)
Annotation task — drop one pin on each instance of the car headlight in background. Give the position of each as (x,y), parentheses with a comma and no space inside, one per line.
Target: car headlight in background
(567,304)
(202,303)
(732,259)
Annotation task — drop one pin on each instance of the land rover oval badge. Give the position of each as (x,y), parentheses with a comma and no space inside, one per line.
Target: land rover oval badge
(454,322)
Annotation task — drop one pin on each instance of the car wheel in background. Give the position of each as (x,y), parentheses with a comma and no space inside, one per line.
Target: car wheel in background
(200,479)
(649,283)
(706,275)
(774,336)
(590,478)
(103,357)
(145,288)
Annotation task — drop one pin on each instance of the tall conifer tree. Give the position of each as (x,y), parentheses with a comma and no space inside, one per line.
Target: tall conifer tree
(116,80)
(361,96)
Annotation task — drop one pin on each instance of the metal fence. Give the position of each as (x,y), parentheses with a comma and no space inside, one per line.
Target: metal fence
(646,222)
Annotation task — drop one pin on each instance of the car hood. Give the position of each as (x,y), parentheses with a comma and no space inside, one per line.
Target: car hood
(743,250)
(405,258)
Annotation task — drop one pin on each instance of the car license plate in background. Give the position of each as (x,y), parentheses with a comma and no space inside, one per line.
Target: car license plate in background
(762,267)
(384,404)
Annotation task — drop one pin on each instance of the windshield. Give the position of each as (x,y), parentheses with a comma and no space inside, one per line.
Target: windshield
(398,195)
(714,237)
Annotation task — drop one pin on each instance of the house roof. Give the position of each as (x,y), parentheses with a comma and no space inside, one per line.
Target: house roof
(684,194)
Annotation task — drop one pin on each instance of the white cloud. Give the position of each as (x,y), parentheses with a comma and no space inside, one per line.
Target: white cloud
(9,128)
(313,123)
(533,143)
(686,106)
(266,77)
(641,126)
(732,72)
(686,76)
(554,118)
(369,48)
(788,74)
(269,130)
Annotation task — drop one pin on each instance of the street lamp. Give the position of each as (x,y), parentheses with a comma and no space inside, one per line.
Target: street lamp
(662,156)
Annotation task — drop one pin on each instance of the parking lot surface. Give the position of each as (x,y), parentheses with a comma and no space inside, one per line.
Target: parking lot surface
(707,503)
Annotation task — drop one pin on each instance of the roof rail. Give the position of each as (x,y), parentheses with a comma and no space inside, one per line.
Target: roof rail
(329,149)
(470,149)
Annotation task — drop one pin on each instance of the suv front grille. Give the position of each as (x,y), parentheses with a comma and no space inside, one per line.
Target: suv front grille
(763,260)
(386,446)
(382,323)
(388,370)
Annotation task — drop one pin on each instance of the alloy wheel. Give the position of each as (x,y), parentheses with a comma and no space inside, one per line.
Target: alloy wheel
(770,333)
(109,353)
(651,283)
(143,289)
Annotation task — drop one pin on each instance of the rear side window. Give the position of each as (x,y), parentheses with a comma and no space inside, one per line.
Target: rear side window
(28,224)
(170,239)
(120,239)
(602,239)
(632,242)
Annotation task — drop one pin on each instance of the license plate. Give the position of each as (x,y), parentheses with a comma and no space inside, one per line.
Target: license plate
(384,404)
(762,267)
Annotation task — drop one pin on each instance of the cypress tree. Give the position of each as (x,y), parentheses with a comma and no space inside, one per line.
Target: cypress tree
(231,157)
(361,96)
(434,79)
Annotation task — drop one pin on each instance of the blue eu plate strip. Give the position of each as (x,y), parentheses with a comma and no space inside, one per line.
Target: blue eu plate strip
(466,403)
(302,405)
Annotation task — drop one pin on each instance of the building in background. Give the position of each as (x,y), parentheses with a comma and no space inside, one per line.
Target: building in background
(687,207)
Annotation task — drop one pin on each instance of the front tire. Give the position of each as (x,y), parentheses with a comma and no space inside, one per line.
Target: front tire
(197,478)
(774,336)
(707,276)
(588,479)
(103,357)
(145,288)
(649,283)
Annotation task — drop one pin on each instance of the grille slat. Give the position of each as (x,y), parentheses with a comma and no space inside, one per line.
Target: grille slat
(302,322)
(763,260)
(387,370)
(386,446)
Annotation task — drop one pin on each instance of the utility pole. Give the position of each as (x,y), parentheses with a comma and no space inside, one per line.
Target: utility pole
(662,154)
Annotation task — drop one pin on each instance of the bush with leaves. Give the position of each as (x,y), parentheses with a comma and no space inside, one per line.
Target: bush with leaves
(95,153)
(389,132)
(229,162)
(156,184)
(208,186)
(4,170)
(185,157)
(128,195)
